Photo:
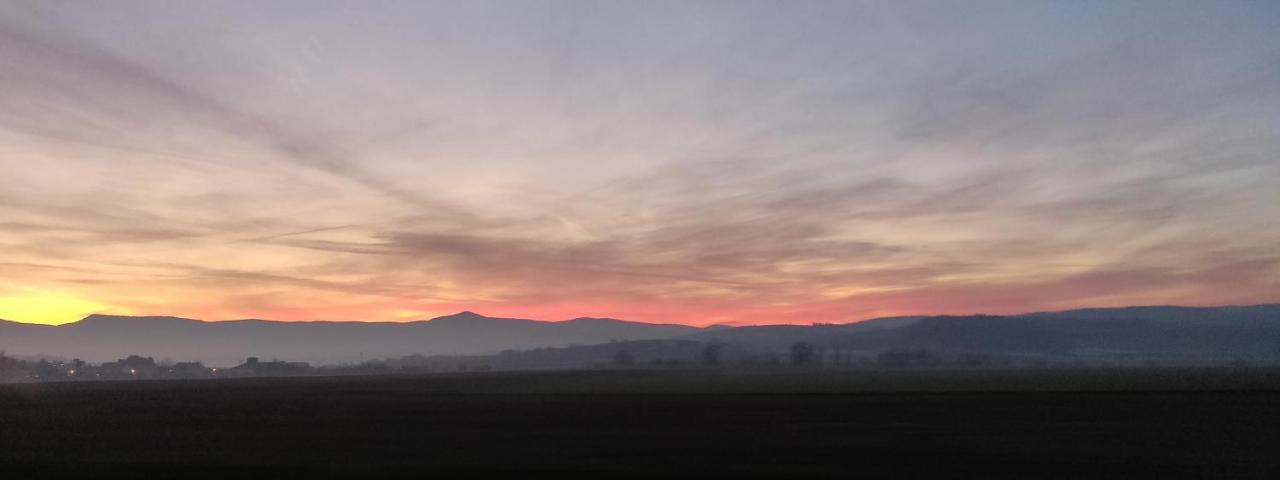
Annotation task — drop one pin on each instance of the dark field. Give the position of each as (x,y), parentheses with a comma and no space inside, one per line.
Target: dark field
(1029,424)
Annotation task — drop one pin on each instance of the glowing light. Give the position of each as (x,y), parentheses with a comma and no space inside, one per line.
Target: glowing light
(408,314)
(51,308)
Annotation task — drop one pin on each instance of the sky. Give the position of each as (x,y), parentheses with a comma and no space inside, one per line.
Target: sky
(692,162)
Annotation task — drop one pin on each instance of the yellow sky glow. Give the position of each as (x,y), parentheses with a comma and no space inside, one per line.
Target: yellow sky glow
(49,308)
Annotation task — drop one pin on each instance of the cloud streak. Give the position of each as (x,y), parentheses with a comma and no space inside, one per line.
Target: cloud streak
(695,163)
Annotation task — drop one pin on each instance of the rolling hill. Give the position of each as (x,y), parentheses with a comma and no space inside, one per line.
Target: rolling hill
(102,337)
(1131,335)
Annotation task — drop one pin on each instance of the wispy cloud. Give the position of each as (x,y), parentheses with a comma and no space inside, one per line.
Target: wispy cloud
(700,162)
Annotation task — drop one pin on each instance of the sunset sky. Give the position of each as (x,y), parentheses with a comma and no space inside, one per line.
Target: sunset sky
(694,162)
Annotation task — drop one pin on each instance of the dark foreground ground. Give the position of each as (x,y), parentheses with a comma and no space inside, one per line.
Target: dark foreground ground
(1048,424)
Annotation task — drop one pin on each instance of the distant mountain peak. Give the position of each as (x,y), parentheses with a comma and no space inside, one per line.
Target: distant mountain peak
(461,317)
(99,318)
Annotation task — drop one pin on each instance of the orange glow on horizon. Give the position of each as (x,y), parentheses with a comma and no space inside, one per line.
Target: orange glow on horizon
(50,307)
(49,304)
(57,309)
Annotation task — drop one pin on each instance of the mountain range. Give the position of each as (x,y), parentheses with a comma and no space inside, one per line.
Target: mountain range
(105,337)
(1169,333)
(1164,333)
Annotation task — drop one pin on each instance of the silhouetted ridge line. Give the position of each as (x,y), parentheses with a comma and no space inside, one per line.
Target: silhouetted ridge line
(226,343)
(1121,336)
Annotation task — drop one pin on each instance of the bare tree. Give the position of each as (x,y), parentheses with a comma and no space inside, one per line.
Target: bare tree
(623,359)
(711,353)
(802,353)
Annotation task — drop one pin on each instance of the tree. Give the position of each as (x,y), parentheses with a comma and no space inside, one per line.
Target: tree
(711,354)
(802,353)
(623,359)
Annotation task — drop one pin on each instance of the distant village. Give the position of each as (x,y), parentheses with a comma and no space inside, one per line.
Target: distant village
(657,354)
(138,367)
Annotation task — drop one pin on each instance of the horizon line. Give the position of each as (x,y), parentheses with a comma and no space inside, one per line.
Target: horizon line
(724,324)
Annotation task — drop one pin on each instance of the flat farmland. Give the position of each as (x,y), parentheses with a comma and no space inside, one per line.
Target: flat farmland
(1013,424)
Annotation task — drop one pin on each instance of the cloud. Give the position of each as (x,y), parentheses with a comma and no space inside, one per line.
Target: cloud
(699,163)
(107,93)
